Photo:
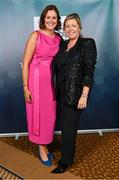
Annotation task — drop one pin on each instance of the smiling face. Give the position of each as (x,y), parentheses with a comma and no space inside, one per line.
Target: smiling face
(50,20)
(72,29)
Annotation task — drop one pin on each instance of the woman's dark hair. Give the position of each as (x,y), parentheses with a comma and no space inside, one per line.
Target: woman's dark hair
(73,16)
(43,15)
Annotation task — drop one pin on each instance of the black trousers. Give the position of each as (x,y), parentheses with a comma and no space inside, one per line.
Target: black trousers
(69,118)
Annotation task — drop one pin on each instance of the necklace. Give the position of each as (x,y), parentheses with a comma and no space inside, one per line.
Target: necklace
(70,45)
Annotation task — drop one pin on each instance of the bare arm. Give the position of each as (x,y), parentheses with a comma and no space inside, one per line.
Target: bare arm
(28,54)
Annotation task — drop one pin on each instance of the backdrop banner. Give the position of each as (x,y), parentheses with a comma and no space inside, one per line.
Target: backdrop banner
(99,21)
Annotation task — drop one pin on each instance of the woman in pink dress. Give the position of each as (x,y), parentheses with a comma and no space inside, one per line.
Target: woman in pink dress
(40,49)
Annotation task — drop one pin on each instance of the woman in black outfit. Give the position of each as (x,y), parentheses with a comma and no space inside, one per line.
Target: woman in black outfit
(73,70)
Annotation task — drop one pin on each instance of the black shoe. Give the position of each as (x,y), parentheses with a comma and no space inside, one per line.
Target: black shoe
(61,168)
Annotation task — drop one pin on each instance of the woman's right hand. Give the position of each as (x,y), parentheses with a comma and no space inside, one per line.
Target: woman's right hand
(28,95)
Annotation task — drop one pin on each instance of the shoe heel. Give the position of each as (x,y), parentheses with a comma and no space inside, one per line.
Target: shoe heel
(50,156)
(46,163)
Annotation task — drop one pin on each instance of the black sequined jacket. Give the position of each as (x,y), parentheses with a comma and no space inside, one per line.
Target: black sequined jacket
(77,71)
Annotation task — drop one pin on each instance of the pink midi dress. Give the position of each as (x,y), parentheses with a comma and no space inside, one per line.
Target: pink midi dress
(41,113)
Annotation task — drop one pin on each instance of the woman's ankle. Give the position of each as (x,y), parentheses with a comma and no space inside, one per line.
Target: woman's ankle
(43,149)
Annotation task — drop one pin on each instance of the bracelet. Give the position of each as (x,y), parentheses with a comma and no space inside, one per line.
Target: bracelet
(84,95)
(25,85)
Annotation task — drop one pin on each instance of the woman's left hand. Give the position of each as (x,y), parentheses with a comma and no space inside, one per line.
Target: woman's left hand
(82,103)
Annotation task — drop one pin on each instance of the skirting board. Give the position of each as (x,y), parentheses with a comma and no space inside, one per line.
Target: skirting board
(100,131)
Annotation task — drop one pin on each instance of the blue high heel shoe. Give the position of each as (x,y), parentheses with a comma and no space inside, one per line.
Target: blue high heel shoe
(45,162)
(50,156)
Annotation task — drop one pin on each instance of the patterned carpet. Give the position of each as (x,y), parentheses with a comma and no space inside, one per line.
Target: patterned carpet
(97,157)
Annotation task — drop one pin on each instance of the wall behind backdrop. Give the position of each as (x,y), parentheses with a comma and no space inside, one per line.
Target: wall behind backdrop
(99,20)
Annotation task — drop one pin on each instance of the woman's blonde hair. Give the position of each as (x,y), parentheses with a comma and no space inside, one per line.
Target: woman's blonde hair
(73,16)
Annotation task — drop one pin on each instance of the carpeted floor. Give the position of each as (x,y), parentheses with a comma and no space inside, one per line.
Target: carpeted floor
(6,173)
(97,157)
